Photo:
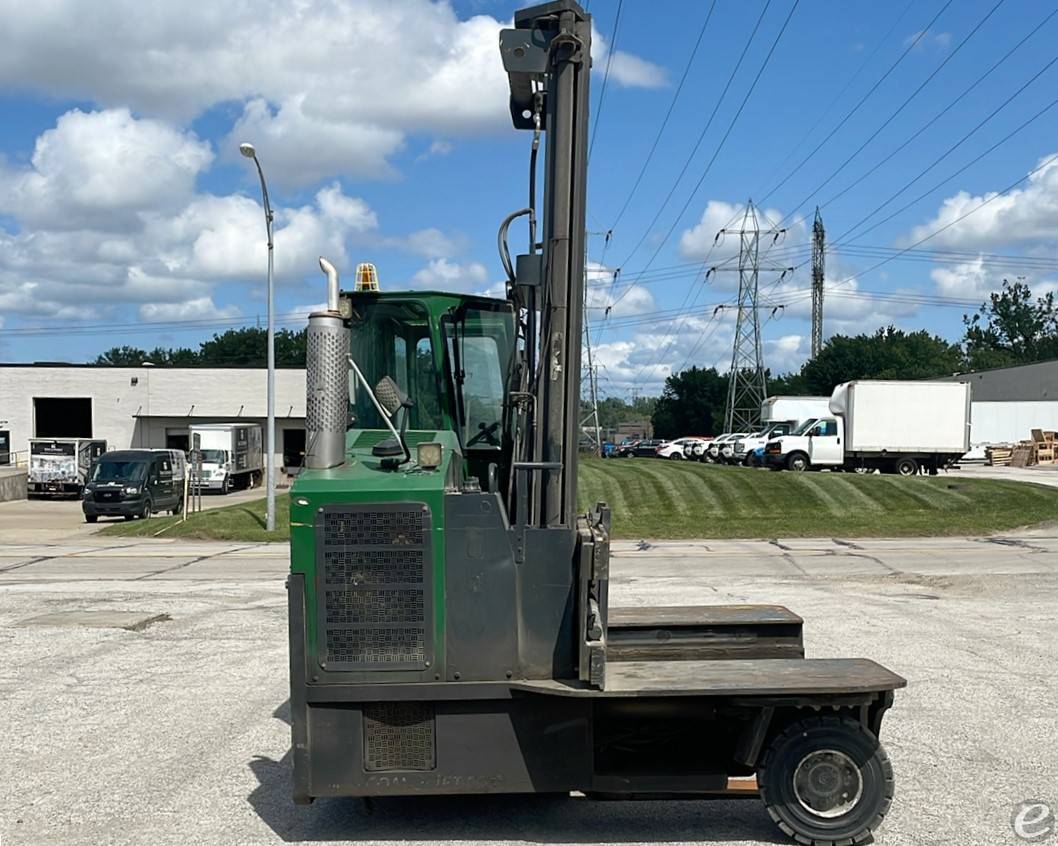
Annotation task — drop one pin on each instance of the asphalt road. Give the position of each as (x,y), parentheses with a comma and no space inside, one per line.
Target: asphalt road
(177,733)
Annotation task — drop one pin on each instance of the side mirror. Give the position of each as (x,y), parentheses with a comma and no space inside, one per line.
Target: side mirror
(390,396)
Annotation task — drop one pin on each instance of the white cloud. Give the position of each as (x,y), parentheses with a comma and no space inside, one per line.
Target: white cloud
(439,147)
(297,148)
(924,39)
(143,236)
(625,69)
(329,86)
(444,275)
(200,308)
(433,243)
(704,239)
(1022,216)
(607,300)
(101,169)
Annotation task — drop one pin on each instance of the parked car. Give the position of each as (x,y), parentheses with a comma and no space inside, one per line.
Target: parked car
(744,447)
(678,449)
(646,448)
(133,483)
(624,449)
(716,451)
(700,449)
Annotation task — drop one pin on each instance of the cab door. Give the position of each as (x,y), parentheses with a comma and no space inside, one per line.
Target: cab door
(824,443)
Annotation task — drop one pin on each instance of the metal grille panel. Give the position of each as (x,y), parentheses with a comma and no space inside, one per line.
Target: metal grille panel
(373,571)
(399,736)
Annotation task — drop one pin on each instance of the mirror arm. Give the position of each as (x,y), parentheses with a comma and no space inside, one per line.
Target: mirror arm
(380,409)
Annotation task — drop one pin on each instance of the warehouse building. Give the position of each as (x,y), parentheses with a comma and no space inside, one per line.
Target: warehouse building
(144,407)
(1007,403)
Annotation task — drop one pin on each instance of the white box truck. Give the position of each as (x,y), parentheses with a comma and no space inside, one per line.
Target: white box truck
(62,465)
(778,416)
(894,427)
(793,409)
(231,456)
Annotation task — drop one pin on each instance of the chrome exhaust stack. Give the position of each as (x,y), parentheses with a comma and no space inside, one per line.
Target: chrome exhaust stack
(326,381)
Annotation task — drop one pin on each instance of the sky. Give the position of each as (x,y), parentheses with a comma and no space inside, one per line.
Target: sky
(925,132)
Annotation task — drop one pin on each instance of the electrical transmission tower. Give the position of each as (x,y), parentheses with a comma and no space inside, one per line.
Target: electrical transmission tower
(747,384)
(590,369)
(818,272)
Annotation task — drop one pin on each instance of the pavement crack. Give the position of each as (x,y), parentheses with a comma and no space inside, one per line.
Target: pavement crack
(1015,542)
(197,560)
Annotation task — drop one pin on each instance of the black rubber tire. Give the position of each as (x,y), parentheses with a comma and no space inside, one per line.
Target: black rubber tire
(146,511)
(798,462)
(676,456)
(176,509)
(905,467)
(91,518)
(775,777)
(227,487)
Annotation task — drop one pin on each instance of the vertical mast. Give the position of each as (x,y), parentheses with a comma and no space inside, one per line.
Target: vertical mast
(551,47)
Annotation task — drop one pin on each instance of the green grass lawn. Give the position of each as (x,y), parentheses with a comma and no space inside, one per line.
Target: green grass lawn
(244,521)
(670,499)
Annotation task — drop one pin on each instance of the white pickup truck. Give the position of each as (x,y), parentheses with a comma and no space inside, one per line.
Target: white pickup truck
(890,426)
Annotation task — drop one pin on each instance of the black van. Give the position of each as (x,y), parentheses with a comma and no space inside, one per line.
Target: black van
(132,483)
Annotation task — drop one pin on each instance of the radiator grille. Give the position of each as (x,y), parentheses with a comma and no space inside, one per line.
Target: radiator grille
(399,736)
(374,565)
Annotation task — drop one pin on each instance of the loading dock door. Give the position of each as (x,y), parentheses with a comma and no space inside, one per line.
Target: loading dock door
(62,417)
(293,447)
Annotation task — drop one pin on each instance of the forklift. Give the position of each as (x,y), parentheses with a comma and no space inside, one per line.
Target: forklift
(450,630)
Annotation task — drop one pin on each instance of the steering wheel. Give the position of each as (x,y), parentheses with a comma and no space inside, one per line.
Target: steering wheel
(487,433)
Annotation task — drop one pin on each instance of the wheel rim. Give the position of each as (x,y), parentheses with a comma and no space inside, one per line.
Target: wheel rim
(827,783)
(798,464)
(905,468)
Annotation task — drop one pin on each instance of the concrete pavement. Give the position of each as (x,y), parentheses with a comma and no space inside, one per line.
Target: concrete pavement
(177,733)
(48,519)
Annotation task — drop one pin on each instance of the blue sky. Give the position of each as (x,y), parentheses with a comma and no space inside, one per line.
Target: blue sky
(127,216)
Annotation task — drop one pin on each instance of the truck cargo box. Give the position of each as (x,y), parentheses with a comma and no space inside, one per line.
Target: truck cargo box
(904,417)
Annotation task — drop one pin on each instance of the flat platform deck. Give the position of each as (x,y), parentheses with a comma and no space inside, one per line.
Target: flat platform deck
(651,617)
(755,677)
(703,632)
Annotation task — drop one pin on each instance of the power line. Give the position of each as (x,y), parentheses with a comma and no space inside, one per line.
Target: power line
(1046,163)
(605,76)
(727,134)
(941,113)
(956,173)
(872,136)
(701,135)
(792,150)
(911,46)
(665,120)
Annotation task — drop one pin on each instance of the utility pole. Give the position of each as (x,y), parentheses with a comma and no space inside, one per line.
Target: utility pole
(590,368)
(747,384)
(818,272)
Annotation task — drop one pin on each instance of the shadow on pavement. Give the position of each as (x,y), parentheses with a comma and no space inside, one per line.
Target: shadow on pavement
(540,819)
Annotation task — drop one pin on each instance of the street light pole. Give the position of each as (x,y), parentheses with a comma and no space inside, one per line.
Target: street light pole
(270,472)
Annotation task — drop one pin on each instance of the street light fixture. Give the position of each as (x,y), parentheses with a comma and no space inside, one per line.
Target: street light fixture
(270,473)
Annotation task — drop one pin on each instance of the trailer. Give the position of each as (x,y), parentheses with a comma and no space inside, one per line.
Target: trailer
(450,630)
(61,466)
(899,427)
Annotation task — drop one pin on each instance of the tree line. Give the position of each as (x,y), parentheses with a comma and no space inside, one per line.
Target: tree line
(246,347)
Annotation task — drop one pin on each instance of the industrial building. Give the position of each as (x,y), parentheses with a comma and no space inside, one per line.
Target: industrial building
(143,407)
(1009,402)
